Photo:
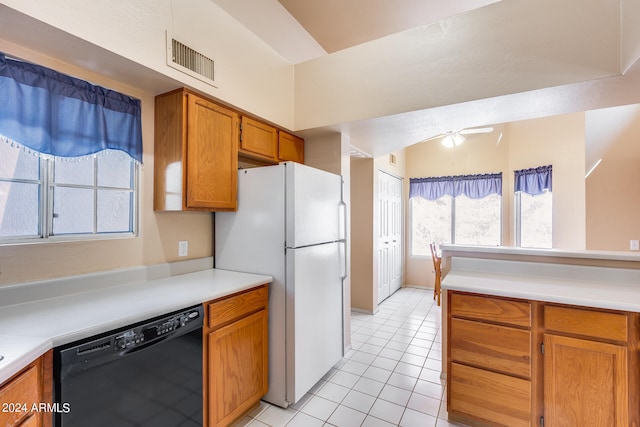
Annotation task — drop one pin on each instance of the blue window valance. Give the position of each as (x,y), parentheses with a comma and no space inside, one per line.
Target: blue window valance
(533,181)
(472,186)
(59,115)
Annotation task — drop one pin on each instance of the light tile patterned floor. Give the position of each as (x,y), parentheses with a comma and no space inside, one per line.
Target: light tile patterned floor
(391,377)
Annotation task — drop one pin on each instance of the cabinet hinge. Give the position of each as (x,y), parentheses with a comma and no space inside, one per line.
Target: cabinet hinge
(542,348)
(541,421)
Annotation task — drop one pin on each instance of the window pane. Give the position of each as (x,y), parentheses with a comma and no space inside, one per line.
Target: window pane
(535,220)
(73,210)
(114,211)
(19,207)
(114,169)
(77,171)
(17,163)
(478,221)
(430,222)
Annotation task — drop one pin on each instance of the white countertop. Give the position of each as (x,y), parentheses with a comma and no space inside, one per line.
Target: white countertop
(29,329)
(583,285)
(452,250)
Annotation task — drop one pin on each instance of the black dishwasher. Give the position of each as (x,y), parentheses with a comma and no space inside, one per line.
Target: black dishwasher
(148,374)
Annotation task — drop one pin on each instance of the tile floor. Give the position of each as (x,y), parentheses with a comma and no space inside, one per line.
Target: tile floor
(391,377)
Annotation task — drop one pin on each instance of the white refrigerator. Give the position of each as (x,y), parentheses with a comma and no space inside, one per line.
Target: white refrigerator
(290,224)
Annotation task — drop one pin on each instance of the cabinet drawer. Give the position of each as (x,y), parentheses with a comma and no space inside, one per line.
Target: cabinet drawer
(496,398)
(491,309)
(596,324)
(23,391)
(498,348)
(227,309)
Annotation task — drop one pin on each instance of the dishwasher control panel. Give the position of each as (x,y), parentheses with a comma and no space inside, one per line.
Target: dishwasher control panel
(151,331)
(137,335)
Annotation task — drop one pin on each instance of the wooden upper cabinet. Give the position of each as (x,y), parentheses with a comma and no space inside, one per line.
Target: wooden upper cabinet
(258,141)
(290,147)
(196,153)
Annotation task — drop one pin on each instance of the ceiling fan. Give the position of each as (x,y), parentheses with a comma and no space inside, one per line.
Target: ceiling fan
(454,138)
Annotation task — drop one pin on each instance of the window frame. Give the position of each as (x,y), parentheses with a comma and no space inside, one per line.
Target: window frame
(46,170)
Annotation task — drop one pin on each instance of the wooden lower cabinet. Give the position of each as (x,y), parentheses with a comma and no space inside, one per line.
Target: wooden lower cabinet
(565,366)
(489,396)
(236,355)
(26,390)
(585,383)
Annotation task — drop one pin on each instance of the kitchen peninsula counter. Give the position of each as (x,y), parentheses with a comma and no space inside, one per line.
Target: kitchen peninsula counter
(523,326)
(36,317)
(609,280)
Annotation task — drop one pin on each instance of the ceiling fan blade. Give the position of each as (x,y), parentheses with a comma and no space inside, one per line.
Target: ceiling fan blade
(476,130)
(433,137)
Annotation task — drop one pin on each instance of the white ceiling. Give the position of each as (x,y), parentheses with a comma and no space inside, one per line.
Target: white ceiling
(485,62)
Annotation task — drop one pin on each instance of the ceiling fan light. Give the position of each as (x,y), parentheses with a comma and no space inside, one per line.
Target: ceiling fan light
(448,141)
(458,139)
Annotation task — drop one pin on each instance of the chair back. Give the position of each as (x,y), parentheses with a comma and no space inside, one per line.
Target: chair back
(435,257)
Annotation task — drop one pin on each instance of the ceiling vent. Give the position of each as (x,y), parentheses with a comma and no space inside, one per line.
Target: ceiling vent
(190,61)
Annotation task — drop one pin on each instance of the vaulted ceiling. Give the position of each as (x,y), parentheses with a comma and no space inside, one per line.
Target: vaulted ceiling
(401,71)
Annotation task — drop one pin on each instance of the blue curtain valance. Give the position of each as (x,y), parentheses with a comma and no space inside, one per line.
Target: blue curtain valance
(472,186)
(533,181)
(52,113)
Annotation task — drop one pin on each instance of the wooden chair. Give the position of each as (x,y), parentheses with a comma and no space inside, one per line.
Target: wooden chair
(437,260)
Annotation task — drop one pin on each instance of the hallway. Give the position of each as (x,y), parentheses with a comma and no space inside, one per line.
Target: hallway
(391,377)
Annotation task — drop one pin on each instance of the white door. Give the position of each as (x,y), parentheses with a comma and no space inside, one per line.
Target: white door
(389,234)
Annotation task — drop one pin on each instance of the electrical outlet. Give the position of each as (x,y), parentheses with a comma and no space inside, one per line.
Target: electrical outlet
(183,248)
(634,245)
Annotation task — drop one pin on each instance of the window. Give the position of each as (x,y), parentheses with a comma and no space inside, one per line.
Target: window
(430,222)
(533,220)
(69,155)
(478,221)
(533,203)
(462,209)
(44,196)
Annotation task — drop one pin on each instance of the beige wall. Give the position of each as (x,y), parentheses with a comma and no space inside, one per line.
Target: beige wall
(363,295)
(364,265)
(557,140)
(159,232)
(612,189)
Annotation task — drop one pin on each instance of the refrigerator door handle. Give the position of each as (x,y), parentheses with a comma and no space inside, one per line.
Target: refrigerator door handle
(343,255)
(342,212)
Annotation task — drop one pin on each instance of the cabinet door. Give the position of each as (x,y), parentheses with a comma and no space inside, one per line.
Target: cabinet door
(212,155)
(290,147)
(23,391)
(259,140)
(238,368)
(585,383)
